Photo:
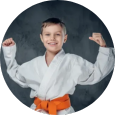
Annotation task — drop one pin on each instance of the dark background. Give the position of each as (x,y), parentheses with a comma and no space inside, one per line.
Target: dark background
(80,23)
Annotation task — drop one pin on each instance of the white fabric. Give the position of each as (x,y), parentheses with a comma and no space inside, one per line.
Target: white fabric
(63,74)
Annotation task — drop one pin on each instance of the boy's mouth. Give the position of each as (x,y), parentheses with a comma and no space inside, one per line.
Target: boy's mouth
(52,44)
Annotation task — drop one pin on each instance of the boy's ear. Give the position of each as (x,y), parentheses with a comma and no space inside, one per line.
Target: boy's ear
(41,37)
(65,38)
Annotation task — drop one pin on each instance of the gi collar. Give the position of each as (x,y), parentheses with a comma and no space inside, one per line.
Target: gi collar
(57,57)
(59,54)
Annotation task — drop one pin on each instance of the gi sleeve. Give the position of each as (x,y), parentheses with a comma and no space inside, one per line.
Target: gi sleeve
(12,66)
(93,73)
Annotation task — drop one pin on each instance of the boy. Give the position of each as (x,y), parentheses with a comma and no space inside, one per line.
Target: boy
(53,76)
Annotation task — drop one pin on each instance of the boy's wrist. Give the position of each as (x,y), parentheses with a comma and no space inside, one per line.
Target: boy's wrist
(9,50)
(103,45)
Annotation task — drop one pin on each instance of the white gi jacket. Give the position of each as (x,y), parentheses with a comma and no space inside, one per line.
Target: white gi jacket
(63,74)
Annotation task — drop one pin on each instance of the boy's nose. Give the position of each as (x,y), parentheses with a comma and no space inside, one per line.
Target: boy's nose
(52,37)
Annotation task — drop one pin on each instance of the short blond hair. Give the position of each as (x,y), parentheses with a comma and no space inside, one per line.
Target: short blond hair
(50,21)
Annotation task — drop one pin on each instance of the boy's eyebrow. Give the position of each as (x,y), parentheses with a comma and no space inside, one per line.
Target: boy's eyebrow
(55,32)
(58,31)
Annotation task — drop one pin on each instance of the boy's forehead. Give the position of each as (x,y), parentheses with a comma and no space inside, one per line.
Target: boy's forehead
(52,27)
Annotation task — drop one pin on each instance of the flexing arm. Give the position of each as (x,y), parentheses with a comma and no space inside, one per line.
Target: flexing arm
(93,73)
(9,50)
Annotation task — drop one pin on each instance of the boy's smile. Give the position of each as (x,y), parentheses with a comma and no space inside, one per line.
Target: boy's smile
(53,37)
(52,44)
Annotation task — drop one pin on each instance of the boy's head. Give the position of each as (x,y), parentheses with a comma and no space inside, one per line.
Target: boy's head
(50,21)
(53,34)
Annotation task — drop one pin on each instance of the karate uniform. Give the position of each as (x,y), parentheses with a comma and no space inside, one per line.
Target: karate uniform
(63,74)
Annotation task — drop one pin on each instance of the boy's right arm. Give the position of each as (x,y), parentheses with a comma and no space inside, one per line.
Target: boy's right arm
(9,51)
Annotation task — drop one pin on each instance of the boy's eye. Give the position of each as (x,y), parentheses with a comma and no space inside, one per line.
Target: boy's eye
(47,34)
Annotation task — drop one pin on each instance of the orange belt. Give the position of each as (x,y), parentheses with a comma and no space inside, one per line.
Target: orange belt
(54,105)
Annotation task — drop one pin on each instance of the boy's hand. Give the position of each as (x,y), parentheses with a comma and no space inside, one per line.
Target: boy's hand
(97,37)
(8,42)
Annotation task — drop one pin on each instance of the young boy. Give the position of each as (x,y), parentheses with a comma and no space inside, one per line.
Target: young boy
(54,75)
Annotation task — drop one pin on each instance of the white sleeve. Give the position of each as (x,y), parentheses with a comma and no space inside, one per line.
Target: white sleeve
(93,73)
(12,66)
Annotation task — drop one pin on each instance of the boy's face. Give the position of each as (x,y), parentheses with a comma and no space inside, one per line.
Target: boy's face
(53,37)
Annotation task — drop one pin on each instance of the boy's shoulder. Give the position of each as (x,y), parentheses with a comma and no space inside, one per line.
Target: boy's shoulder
(74,58)
(70,55)
(33,61)
(30,65)
(38,58)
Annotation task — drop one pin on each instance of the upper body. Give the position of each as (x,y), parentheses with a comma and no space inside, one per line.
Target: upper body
(63,74)
(56,71)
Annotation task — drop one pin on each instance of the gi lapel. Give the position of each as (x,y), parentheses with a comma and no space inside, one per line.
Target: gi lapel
(48,77)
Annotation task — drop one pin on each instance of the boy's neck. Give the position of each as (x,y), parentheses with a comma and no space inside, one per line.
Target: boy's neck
(51,54)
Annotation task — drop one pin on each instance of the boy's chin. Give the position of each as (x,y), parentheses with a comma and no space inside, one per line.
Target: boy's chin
(53,50)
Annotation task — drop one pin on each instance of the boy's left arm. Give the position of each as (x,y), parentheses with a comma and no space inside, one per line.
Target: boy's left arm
(93,73)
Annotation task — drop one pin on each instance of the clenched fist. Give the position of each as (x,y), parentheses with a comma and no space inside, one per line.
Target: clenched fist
(8,42)
(97,37)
